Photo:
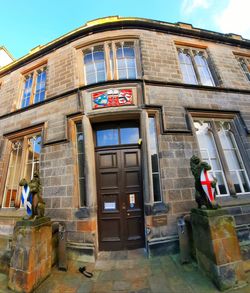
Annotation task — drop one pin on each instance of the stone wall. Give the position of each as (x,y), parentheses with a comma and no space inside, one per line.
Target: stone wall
(176,143)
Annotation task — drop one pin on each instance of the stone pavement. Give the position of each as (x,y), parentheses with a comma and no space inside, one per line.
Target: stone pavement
(129,271)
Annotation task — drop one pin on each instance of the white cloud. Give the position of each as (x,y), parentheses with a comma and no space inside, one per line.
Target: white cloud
(188,6)
(235,18)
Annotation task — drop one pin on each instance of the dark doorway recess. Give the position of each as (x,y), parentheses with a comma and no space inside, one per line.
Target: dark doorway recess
(120,201)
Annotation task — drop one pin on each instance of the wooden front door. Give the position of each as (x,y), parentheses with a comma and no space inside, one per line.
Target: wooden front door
(120,202)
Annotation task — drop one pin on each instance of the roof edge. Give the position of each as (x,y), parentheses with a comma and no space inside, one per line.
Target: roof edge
(117,22)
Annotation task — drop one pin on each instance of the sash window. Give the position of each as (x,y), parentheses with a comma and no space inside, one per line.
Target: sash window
(244,63)
(112,60)
(34,87)
(24,161)
(219,149)
(196,67)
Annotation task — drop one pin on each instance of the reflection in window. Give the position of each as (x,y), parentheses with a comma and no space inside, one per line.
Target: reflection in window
(233,158)
(210,155)
(111,60)
(33,156)
(187,67)
(126,62)
(107,137)
(205,132)
(116,135)
(23,163)
(129,135)
(154,159)
(40,86)
(27,91)
(95,68)
(245,66)
(203,69)
(34,87)
(194,67)
(81,164)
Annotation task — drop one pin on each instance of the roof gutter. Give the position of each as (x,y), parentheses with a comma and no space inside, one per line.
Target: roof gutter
(120,23)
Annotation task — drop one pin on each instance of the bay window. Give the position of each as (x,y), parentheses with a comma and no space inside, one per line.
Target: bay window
(112,60)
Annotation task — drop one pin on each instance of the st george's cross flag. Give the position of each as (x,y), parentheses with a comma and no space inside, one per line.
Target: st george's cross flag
(26,201)
(206,183)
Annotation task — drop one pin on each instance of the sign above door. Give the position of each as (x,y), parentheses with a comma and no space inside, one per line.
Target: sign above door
(112,98)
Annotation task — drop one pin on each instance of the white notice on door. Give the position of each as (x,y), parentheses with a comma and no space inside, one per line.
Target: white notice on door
(132,198)
(109,206)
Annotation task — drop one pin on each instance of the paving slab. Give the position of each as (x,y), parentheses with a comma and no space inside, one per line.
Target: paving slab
(130,272)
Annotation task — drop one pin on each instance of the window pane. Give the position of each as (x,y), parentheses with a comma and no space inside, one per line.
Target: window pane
(94,63)
(107,137)
(33,156)
(126,61)
(233,157)
(13,175)
(40,87)
(122,74)
(187,68)
(129,135)
(210,155)
(244,180)
(81,163)
(221,188)
(244,67)
(154,159)
(156,186)
(27,91)
(204,71)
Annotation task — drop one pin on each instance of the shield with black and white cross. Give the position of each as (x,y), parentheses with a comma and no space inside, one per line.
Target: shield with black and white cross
(27,199)
(206,183)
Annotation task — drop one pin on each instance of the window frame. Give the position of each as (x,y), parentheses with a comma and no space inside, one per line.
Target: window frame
(150,116)
(110,75)
(9,140)
(35,73)
(211,69)
(235,124)
(246,60)
(82,197)
(72,134)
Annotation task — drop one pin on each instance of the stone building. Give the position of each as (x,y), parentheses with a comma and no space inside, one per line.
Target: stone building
(5,56)
(110,114)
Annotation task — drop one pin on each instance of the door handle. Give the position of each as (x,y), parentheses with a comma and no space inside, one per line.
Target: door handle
(123,206)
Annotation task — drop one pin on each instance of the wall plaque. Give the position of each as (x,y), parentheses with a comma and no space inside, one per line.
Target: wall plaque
(112,98)
(160,220)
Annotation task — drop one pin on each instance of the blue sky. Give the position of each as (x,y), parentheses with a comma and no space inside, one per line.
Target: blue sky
(25,24)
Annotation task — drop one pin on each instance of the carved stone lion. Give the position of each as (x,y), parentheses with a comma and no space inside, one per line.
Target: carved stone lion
(200,196)
(38,205)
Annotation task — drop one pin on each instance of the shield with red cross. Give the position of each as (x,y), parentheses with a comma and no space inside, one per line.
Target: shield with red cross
(206,183)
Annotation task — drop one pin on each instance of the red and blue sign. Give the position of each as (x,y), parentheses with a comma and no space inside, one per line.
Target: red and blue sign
(112,98)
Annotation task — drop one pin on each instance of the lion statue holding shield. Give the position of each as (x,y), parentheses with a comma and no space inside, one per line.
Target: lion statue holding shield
(204,184)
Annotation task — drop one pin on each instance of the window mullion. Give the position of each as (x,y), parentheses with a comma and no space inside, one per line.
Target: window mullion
(195,67)
(33,88)
(223,160)
(107,57)
(115,61)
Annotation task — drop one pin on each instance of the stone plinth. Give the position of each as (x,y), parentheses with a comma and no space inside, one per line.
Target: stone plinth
(31,254)
(217,247)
